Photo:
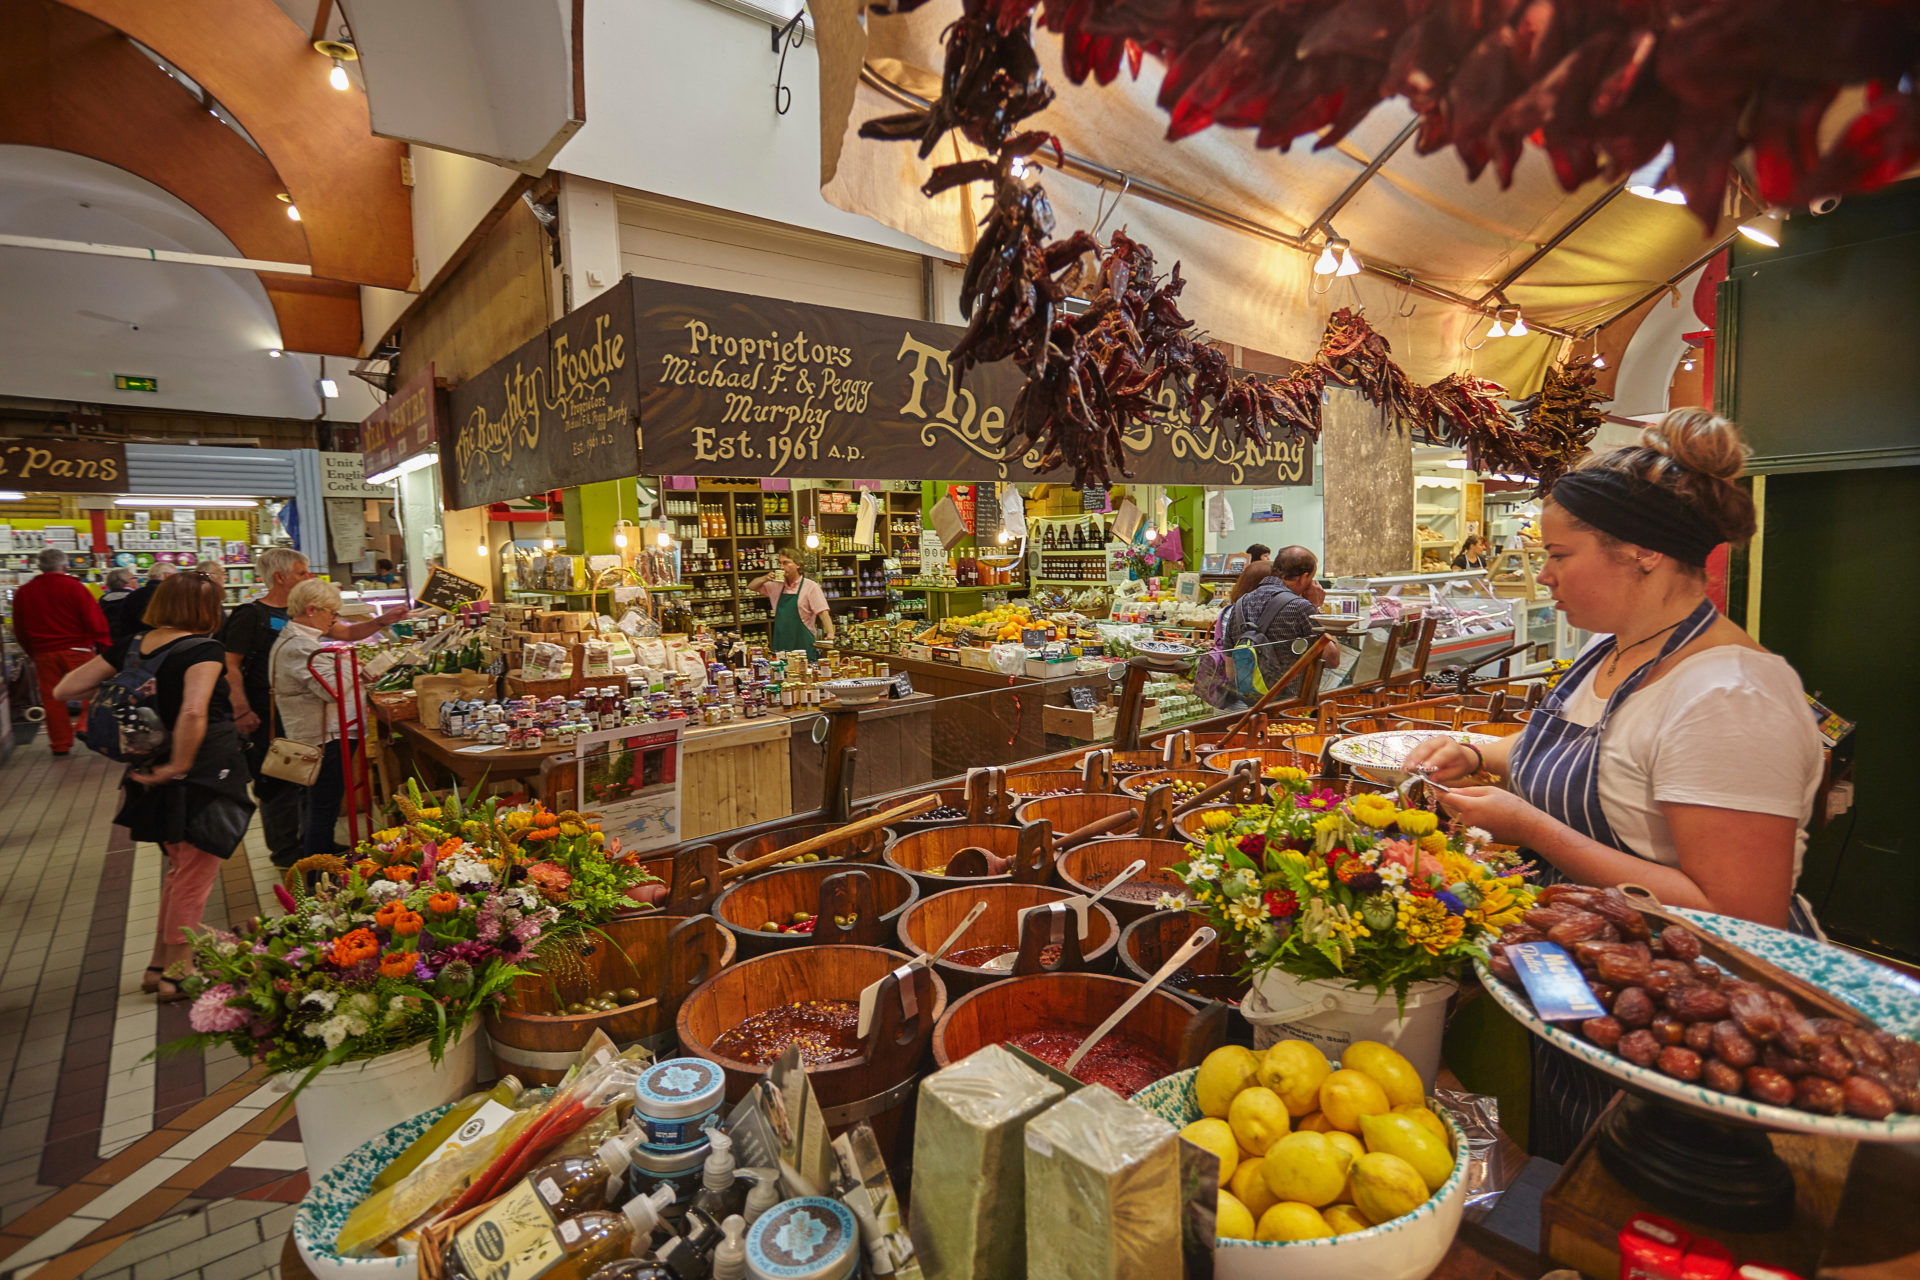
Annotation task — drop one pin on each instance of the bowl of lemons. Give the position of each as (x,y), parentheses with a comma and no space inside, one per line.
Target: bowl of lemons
(1329,1171)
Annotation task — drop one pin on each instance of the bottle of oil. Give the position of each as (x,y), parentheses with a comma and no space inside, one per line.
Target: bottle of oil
(576,1183)
(585,1243)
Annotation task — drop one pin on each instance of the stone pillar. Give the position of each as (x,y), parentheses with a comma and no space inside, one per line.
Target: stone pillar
(1368,472)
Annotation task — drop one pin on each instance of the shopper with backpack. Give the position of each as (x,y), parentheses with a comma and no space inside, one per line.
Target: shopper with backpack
(160,704)
(1276,610)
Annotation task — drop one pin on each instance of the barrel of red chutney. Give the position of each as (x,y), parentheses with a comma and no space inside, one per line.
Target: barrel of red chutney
(1049,1014)
(931,921)
(747,1015)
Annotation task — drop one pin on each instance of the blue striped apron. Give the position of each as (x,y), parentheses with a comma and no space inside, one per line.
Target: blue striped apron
(1555,766)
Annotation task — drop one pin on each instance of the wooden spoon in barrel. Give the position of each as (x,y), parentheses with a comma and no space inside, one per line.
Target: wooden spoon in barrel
(825,838)
(1079,905)
(1177,961)
(869,996)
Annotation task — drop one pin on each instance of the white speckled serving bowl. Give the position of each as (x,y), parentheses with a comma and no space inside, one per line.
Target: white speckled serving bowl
(317,1222)
(1378,755)
(1887,997)
(1407,1248)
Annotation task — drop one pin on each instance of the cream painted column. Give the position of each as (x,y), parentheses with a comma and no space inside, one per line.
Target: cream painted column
(589,240)
(466,531)
(1368,469)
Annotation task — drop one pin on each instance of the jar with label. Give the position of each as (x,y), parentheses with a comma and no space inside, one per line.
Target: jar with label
(811,1238)
(675,1098)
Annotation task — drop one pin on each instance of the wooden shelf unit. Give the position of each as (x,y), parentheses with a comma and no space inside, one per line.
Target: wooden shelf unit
(719,596)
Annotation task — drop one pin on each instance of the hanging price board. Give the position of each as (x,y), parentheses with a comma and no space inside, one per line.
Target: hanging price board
(1082,698)
(449,591)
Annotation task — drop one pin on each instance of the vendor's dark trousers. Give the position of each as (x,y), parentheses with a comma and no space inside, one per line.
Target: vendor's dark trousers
(323,800)
(282,804)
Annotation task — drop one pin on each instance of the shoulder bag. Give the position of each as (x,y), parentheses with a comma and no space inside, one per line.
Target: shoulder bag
(288,760)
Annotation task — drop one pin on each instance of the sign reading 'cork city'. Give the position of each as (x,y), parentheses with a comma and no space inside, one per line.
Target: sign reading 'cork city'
(668,379)
(559,411)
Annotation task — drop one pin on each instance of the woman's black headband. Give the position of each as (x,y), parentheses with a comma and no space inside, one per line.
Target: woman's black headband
(1632,510)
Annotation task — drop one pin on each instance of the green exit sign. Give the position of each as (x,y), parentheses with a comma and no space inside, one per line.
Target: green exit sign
(128,382)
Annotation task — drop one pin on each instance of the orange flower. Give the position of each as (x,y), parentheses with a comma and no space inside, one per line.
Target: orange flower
(355,947)
(367,868)
(444,904)
(402,875)
(388,913)
(451,845)
(396,964)
(408,923)
(546,819)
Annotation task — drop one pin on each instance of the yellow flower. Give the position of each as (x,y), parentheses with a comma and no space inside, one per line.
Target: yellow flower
(1426,924)
(1373,811)
(1287,773)
(1216,820)
(1500,906)
(1434,842)
(1247,912)
(1417,822)
(572,829)
(517,821)
(1329,823)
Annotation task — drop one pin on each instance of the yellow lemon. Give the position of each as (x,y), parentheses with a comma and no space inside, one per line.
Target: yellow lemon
(1232,1220)
(1393,1073)
(1347,1095)
(1386,1187)
(1290,1221)
(1345,1219)
(1226,1071)
(1354,1149)
(1313,1122)
(1294,1069)
(1215,1136)
(1249,1187)
(1403,1136)
(1306,1167)
(1258,1117)
(1428,1120)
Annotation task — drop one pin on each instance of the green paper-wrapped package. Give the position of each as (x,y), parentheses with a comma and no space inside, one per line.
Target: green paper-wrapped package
(1103,1191)
(969,1174)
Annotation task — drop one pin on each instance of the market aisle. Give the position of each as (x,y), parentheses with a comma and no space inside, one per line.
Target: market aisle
(113,1164)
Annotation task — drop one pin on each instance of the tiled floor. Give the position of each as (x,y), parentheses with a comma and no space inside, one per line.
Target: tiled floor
(112,1163)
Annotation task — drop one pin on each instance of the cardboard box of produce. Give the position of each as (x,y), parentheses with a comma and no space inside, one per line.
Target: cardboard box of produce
(974,659)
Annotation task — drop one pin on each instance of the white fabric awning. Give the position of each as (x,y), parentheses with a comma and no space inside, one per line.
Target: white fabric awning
(1248,285)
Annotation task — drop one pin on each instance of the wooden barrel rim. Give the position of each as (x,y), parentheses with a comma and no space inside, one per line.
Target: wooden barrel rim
(1044,894)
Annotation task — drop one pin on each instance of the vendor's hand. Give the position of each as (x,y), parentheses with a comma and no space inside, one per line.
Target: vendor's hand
(246,722)
(396,614)
(1442,759)
(1496,810)
(158,776)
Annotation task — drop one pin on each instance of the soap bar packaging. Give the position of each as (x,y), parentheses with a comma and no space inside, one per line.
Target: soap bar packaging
(1103,1191)
(969,1166)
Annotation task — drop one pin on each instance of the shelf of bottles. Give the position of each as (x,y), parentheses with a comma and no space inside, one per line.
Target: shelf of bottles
(1072,548)
(730,532)
(855,576)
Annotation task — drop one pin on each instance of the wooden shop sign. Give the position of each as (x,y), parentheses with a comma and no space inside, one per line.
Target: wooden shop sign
(409,423)
(50,465)
(559,411)
(731,384)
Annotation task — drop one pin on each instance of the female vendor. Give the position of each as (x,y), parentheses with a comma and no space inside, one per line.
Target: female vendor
(800,609)
(1676,752)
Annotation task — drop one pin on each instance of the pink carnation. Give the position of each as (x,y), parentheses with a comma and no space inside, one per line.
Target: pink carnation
(211,1015)
(552,879)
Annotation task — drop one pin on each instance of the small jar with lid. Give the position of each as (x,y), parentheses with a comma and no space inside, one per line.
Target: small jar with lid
(675,1098)
(810,1238)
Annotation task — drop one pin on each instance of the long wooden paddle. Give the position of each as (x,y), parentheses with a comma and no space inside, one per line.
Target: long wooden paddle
(1300,665)
(825,838)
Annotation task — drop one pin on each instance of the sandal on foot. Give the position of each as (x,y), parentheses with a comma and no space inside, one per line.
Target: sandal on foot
(167,991)
(150,981)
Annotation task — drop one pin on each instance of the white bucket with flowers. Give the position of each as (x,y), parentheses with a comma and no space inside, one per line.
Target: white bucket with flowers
(1356,915)
(364,997)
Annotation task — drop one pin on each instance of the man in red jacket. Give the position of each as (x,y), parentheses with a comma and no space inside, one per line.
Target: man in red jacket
(59,623)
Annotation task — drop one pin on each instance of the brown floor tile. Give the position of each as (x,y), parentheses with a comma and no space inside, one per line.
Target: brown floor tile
(214,1104)
(142,1213)
(125,1162)
(88,1053)
(76,1262)
(222,1155)
(55,1208)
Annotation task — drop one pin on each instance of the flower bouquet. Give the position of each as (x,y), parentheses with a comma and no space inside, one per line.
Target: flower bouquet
(1357,890)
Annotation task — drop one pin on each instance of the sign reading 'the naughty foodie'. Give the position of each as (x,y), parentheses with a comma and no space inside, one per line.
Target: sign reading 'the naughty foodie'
(731,384)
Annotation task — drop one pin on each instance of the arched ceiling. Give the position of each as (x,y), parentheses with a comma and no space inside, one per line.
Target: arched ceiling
(71,83)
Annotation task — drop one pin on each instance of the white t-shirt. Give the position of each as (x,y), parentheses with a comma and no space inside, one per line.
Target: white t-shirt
(1728,727)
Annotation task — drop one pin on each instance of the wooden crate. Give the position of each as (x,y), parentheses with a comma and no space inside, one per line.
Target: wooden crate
(1095,725)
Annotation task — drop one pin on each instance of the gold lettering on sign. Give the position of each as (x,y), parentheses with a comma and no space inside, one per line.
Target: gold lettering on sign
(983,433)
(483,439)
(24,462)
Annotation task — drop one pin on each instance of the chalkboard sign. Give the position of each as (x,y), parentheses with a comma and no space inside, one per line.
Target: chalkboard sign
(1093,498)
(496,668)
(449,591)
(1081,697)
(987,520)
(902,685)
(1032,637)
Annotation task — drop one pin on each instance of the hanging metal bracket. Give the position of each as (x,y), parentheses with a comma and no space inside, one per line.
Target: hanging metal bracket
(791,36)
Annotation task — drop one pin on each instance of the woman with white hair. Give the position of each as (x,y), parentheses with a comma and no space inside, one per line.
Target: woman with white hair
(308,709)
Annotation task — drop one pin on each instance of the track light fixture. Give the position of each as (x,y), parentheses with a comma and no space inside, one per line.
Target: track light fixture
(1763,228)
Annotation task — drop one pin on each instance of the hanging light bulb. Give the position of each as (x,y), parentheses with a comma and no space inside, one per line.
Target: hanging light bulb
(338,76)
(813,537)
(664,538)
(1499,330)
(1003,537)
(1152,534)
(1763,228)
(1518,329)
(1687,364)
(293,212)
(1349,261)
(1328,264)
(1599,361)
(620,534)
(483,548)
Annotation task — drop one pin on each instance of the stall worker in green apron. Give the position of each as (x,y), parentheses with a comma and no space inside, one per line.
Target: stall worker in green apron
(800,610)
(1676,752)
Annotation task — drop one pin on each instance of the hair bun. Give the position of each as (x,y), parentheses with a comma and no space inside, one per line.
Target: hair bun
(1698,441)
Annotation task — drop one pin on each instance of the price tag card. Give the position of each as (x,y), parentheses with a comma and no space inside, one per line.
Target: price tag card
(902,685)
(1082,698)
(1553,982)
(1032,638)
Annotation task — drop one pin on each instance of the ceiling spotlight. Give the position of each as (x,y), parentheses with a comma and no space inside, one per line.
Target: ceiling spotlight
(1329,261)
(1763,228)
(1687,363)
(1518,329)
(12,495)
(338,52)
(329,388)
(1599,361)
(1649,180)
(1349,261)
(293,212)
(338,76)
(1498,330)
(275,352)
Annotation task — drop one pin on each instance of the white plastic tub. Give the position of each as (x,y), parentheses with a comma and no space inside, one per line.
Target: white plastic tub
(346,1105)
(1332,1015)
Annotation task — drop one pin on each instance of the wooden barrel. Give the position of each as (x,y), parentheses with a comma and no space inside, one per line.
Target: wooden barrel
(951,798)
(690,880)
(663,957)
(1125,763)
(930,921)
(1141,783)
(776,894)
(1211,975)
(873,1087)
(1071,812)
(1497,728)
(921,853)
(866,847)
(1308,748)
(1071,1002)
(1045,781)
(1270,757)
(1093,864)
(1188,825)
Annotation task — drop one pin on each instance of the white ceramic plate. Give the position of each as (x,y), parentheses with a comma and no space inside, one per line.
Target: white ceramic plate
(1378,755)
(1165,649)
(1888,998)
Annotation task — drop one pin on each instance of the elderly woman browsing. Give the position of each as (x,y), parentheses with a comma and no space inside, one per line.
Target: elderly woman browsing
(309,709)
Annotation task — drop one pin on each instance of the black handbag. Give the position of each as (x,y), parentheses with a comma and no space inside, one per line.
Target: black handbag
(217,823)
